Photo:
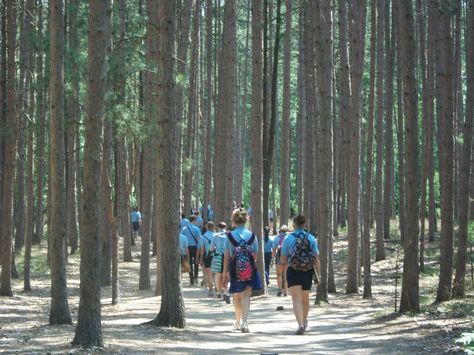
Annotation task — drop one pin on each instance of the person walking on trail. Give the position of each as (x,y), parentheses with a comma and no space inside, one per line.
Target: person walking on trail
(193,233)
(183,253)
(183,222)
(267,249)
(136,219)
(199,220)
(300,251)
(280,267)
(241,250)
(217,248)
(205,256)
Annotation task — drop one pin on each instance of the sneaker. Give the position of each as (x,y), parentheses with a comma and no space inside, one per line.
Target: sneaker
(219,295)
(237,326)
(245,328)
(285,294)
(279,293)
(300,331)
(226,298)
(305,324)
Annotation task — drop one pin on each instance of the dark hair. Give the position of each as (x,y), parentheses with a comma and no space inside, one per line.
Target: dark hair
(183,215)
(299,220)
(266,233)
(192,218)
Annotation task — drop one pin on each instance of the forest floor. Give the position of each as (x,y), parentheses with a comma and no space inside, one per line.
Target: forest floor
(348,324)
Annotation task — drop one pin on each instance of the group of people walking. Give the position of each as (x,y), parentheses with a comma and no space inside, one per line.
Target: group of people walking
(229,255)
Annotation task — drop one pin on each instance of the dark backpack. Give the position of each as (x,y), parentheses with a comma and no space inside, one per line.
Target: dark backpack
(242,263)
(278,250)
(302,258)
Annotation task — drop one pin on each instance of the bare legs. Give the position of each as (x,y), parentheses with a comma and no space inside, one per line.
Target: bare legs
(281,279)
(300,304)
(241,308)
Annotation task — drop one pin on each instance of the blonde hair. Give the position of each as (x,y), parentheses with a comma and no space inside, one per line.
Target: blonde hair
(239,216)
(210,225)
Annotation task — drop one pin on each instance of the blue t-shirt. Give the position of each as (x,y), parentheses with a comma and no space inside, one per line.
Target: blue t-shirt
(267,246)
(199,221)
(193,234)
(240,233)
(183,244)
(278,241)
(218,242)
(290,242)
(183,223)
(206,240)
(136,216)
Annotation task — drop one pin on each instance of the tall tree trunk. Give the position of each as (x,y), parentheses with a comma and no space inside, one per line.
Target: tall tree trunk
(225,115)
(444,108)
(189,147)
(40,157)
(184,27)
(172,305)
(378,208)
(209,136)
(426,117)
(72,125)
(409,301)
(357,14)
(389,161)
(324,69)
(367,196)
(464,173)
(59,312)
(89,328)
(285,126)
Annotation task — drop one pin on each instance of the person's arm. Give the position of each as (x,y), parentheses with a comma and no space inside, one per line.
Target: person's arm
(225,269)
(284,252)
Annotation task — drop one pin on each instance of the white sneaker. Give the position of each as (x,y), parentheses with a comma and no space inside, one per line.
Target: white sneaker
(245,328)
(237,326)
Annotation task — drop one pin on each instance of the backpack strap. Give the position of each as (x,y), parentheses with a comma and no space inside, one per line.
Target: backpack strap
(232,239)
(192,235)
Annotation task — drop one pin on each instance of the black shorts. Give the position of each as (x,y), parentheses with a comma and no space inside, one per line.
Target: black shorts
(303,278)
(208,260)
(136,226)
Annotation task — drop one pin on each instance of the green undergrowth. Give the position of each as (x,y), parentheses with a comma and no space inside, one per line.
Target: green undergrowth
(39,262)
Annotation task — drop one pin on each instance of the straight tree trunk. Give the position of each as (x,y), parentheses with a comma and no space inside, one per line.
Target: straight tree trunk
(461,257)
(40,157)
(209,136)
(444,88)
(378,208)
(172,312)
(367,197)
(72,125)
(285,126)
(389,163)
(256,131)
(89,328)
(226,114)
(301,114)
(324,69)
(59,312)
(357,15)
(409,301)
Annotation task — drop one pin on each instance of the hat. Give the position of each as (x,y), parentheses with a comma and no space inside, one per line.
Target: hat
(283,228)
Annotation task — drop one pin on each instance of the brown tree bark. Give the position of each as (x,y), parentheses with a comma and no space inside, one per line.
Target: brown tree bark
(444,108)
(40,157)
(226,114)
(367,196)
(389,161)
(324,68)
(285,126)
(172,305)
(409,301)
(357,14)
(89,328)
(464,174)
(378,207)
(59,312)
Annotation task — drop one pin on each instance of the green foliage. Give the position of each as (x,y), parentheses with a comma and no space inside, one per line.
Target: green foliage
(467,340)
(430,271)
(39,263)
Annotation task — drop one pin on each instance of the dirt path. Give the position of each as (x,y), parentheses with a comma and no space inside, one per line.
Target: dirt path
(345,326)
